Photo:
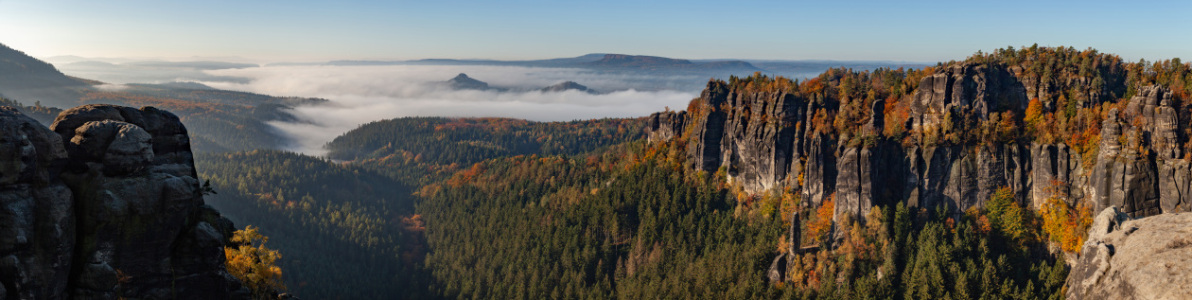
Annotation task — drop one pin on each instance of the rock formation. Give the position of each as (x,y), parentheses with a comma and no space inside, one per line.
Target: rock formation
(768,138)
(1148,258)
(666,125)
(105,204)
(463,82)
(567,86)
(764,141)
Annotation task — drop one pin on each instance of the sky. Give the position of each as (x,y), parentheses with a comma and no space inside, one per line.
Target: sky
(297,30)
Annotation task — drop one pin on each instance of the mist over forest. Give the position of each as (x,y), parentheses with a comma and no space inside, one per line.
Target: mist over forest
(362,92)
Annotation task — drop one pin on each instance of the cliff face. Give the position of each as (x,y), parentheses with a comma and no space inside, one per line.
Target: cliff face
(764,140)
(105,204)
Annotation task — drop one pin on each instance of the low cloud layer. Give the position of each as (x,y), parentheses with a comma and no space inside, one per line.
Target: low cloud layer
(361,94)
(143,72)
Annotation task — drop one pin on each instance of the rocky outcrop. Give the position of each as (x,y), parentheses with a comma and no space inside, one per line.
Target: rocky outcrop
(105,204)
(37,224)
(703,150)
(969,89)
(665,125)
(759,132)
(766,137)
(463,82)
(1149,258)
(567,86)
(1140,167)
(765,140)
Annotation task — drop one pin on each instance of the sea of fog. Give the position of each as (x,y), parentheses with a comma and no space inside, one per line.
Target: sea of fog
(361,94)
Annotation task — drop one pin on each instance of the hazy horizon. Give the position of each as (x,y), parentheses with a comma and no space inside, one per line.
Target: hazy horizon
(70,58)
(362,94)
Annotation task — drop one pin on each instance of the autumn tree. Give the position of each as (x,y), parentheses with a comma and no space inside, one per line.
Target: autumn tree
(1034,110)
(250,261)
(819,227)
(1065,224)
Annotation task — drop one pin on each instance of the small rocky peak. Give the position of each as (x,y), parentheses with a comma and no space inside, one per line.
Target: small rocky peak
(567,86)
(463,82)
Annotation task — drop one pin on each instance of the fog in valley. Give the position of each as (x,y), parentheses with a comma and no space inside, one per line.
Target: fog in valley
(361,94)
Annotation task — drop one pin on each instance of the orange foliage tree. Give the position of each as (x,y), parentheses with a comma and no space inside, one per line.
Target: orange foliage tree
(818,227)
(1066,225)
(1034,110)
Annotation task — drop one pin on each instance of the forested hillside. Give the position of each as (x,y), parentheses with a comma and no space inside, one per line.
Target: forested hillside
(626,222)
(362,213)
(24,78)
(336,226)
(420,150)
(632,222)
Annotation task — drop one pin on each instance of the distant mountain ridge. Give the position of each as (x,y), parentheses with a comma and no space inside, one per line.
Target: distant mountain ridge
(599,61)
(661,63)
(623,60)
(28,79)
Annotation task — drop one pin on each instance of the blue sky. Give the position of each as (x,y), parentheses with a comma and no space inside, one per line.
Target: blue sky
(274,30)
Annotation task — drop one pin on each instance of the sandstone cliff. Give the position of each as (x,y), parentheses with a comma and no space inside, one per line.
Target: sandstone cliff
(105,204)
(766,136)
(763,140)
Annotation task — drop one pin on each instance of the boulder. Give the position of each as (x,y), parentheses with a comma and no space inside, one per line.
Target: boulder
(1148,258)
(106,204)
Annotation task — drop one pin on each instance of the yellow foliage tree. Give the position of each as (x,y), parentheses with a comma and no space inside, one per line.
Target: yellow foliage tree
(1066,225)
(250,261)
(1034,110)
